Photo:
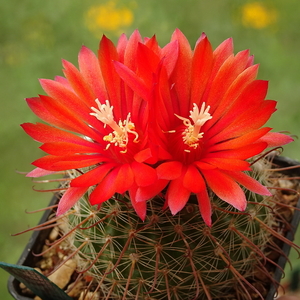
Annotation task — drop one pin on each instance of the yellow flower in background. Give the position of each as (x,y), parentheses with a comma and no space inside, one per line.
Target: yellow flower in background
(257,15)
(108,16)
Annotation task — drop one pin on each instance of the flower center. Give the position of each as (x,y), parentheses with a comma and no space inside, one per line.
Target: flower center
(191,135)
(119,136)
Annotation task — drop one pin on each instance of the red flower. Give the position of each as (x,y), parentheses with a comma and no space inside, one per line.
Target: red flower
(99,125)
(141,118)
(209,114)
(213,118)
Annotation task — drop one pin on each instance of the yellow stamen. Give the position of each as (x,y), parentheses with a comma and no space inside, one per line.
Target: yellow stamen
(119,136)
(192,134)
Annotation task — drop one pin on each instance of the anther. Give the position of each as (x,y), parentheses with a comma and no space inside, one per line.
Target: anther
(192,134)
(119,136)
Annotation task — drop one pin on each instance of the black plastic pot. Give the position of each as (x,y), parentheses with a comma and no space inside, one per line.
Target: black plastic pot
(35,243)
(286,162)
(27,258)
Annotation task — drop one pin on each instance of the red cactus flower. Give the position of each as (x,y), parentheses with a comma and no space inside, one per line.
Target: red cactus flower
(213,122)
(98,125)
(209,114)
(140,118)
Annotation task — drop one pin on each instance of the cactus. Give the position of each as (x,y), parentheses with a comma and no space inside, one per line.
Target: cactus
(175,257)
(152,205)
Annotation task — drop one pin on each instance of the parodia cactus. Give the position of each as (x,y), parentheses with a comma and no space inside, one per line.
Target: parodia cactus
(156,143)
(176,257)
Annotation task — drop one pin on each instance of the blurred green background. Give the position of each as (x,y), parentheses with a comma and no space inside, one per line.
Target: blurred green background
(35,35)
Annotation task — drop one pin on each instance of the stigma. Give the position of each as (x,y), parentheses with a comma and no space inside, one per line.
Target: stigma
(120,130)
(191,135)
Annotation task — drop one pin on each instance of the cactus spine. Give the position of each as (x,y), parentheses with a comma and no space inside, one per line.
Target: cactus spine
(173,257)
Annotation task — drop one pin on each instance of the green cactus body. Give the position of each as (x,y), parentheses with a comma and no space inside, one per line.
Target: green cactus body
(171,257)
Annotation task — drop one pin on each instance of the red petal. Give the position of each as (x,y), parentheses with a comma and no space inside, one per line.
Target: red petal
(249,183)
(105,189)
(275,139)
(45,134)
(133,80)
(170,54)
(61,163)
(177,195)
(193,180)
(164,104)
(75,119)
(163,154)
(64,81)
(182,70)
(201,69)
(112,183)
(38,172)
(136,93)
(147,62)
(139,207)
(243,123)
(78,83)
(130,55)
(90,69)
(93,177)
(238,142)
(59,92)
(143,155)
(61,148)
(121,46)
(107,55)
(234,91)
(221,53)
(169,170)
(225,188)
(125,179)
(245,107)
(228,164)
(152,44)
(205,206)
(37,106)
(148,192)
(205,166)
(225,77)
(239,153)
(69,198)
(143,174)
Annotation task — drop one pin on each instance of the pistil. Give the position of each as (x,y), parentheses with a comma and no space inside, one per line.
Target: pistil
(192,134)
(119,136)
